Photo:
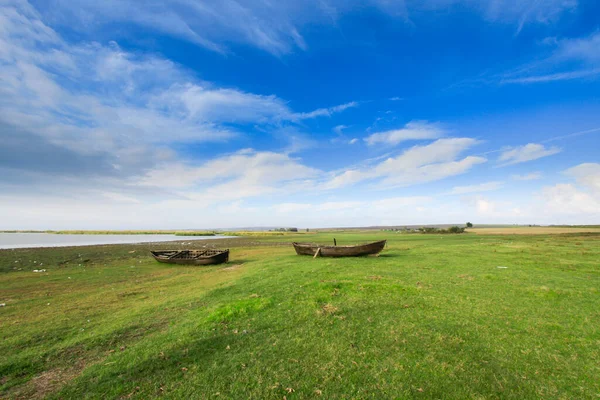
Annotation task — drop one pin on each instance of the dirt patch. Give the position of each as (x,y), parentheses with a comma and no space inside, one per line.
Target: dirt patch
(328,309)
(48,382)
(233,267)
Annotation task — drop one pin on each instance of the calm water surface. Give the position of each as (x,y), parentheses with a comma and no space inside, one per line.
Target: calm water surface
(23,240)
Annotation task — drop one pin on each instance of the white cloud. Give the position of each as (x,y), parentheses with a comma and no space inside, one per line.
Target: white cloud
(416,165)
(220,104)
(347,178)
(121,198)
(516,12)
(527,177)
(338,205)
(387,211)
(559,76)
(324,112)
(414,130)
(395,204)
(339,128)
(275,27)
(587,175)
(485,206)
(242,170)
(568,199)
(117,110)
(71,94)
(582,202)
(571,58)
(210,24)
(108,116)
(285,208)
(65,213)
(528,152)
(586,49)
(341,138)
(482,187)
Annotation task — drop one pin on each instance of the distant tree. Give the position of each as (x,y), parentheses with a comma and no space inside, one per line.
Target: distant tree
(292,230)
(307,230)
(456,229)
(469,225)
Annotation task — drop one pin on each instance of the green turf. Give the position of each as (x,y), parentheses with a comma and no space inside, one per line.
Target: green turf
(432,317)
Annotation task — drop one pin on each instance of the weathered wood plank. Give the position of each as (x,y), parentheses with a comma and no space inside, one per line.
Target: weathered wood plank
(317,253)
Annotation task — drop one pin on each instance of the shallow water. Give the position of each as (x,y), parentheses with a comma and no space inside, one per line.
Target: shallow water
(25,240)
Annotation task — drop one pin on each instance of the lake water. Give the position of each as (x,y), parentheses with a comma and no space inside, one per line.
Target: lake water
(24,240)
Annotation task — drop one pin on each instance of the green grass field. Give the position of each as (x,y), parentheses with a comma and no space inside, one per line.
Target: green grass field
(434,317)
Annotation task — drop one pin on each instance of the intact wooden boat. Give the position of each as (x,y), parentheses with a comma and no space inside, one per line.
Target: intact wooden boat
(310,249)
(191,257)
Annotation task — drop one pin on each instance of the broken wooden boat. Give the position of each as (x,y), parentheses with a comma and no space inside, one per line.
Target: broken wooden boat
(311,249)
(191,257)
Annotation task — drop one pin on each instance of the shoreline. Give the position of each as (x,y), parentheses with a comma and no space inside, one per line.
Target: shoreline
(64,241)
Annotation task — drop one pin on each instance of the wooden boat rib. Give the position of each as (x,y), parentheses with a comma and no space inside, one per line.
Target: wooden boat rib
(311,249)
(191,257)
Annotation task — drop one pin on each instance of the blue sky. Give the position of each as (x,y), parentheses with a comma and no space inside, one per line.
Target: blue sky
(214,114)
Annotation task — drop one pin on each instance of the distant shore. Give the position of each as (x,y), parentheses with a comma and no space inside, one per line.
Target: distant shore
(114,232)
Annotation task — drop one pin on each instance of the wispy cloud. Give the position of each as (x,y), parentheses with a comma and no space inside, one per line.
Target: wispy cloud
(528,152)
(416,165)
(527,177)
(414,130)
(338,129)
(559,76)
(102,106)
(324,112)
(481,187)
(572,135)
(243,169)
(516,12)
(571,58)
(275,27)
(208,103)
(211,24)
(585,49)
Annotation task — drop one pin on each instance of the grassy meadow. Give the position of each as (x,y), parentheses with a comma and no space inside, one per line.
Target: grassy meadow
(534,230)
(433,317)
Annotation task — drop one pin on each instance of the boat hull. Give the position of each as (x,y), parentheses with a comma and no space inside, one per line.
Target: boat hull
(191,257)
(310,249)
